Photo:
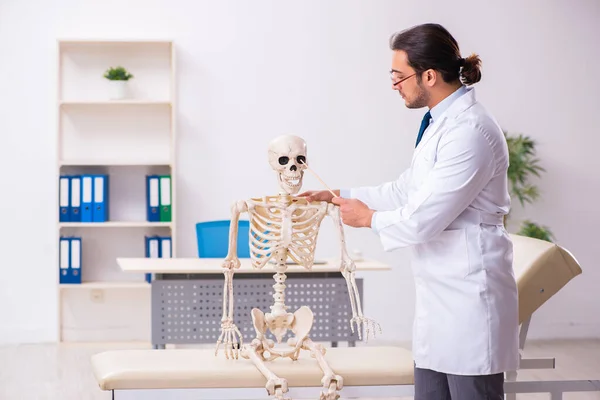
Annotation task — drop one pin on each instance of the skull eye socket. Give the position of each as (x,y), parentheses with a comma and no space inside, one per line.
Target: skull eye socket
(301,159)
(283,160)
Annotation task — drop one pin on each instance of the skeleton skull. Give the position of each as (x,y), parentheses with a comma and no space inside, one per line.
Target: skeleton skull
(287,156)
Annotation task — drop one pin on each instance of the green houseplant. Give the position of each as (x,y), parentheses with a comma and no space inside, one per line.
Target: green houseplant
(523,166)
(118,78)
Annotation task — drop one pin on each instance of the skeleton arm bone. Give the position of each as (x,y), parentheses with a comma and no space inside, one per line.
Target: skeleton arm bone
(237,209)
(229,331)
(347,268)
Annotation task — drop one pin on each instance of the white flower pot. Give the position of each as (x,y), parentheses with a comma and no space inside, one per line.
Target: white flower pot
(117,89)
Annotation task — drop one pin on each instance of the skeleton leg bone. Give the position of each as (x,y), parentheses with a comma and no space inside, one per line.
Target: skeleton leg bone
(332,382)
(303,321)
(256,350)
(275,386)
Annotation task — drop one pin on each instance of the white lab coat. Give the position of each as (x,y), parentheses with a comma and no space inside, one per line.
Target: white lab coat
(448,207)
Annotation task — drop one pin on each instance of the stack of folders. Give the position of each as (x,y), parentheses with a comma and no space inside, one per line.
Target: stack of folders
(83,198)
(158,247)
(70,259)
(158,198)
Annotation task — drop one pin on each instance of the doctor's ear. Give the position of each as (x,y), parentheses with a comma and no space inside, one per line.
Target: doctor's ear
(429,77)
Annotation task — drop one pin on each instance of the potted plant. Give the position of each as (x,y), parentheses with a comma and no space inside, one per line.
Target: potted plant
(524,165)
(118,77)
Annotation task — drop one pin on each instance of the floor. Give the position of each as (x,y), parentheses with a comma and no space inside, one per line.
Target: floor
(50,371)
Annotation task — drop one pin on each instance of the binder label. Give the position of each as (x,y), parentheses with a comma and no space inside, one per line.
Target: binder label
(98,189)
(153,192)
(166,247)
(64,192)
(75,192)
(153,248)
(165,191)
(64,254)
(75,253)
(87,189)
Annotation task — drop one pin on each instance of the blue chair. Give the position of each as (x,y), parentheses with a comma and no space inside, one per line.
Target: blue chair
(213,239)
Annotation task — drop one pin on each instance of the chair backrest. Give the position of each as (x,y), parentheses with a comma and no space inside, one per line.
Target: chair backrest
(213,239)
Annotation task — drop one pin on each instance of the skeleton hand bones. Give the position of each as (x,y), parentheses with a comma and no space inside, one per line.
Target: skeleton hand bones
(347,269)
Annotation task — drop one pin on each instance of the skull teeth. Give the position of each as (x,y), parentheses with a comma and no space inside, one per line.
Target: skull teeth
(292,182)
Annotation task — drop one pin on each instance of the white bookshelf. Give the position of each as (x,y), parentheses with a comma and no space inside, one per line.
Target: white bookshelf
(107,285)
(126,139)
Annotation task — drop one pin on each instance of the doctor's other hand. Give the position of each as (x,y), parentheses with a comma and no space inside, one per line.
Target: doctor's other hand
(319,195)
(354,212)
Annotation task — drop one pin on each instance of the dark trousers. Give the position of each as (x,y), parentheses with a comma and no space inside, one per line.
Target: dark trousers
(431,385)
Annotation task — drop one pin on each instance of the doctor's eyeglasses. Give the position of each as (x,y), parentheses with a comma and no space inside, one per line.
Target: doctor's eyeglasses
(394,76)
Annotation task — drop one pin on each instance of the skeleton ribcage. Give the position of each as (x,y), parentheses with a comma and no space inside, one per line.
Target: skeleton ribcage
(290,231)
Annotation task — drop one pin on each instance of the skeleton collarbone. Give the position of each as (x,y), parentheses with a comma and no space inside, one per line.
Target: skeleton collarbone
(284,226)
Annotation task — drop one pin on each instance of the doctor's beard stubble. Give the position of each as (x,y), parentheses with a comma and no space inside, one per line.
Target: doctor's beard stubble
(420,100)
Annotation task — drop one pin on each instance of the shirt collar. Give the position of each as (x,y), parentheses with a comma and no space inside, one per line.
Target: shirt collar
(443,105)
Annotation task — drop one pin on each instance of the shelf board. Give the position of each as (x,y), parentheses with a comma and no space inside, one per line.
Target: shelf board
(114,224)
(109,41)
(105,285)
(114,163)
(137,102)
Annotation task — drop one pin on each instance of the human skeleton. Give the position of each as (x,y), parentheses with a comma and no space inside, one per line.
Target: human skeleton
(281,227)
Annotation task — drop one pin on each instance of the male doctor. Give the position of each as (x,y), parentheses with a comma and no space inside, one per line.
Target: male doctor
(448,206)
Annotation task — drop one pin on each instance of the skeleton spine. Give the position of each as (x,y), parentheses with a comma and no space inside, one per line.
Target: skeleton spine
(279,308)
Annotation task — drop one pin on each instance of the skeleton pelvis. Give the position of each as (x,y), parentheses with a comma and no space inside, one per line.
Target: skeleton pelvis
(279,324)
(299,322)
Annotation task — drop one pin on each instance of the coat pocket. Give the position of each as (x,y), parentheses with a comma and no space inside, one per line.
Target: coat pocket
(446,255)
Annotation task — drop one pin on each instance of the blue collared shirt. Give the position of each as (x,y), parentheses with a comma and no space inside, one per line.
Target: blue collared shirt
(436,112)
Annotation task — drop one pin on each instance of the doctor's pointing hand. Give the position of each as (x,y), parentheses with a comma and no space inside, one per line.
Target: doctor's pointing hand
(447,207)
(354,212)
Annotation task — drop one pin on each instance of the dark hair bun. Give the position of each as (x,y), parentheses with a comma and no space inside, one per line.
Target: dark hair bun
(471,70)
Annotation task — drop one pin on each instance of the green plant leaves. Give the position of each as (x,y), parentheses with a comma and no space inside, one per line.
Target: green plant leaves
(117,74)
(531,229)
(524,165)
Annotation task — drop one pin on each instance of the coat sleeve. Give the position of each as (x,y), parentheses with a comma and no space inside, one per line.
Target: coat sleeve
(464,165)
(387,196)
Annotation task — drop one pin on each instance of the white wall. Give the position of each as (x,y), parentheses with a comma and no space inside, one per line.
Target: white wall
(249,71)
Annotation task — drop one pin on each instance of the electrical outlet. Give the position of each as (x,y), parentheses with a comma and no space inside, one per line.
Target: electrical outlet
(97,295)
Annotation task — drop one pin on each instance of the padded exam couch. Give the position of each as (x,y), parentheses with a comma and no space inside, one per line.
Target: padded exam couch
(542,269)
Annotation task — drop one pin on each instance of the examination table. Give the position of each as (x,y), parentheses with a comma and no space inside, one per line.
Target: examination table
(542,269)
